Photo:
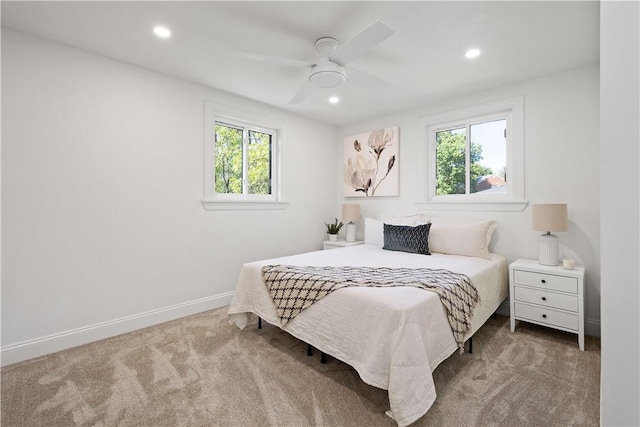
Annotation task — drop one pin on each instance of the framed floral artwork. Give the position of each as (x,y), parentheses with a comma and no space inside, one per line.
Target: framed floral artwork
(371,163)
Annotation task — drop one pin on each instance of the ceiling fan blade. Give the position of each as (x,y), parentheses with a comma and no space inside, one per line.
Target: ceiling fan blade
(302,93)
(361,43)
(275,60)
(366,80)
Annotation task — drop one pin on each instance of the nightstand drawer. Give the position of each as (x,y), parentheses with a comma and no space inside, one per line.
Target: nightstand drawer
(546,281)
(547,299)
(546,316)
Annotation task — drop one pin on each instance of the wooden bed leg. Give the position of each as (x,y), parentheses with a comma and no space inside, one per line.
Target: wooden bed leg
(309,350)
(323,358)
(470,345)
(259,322)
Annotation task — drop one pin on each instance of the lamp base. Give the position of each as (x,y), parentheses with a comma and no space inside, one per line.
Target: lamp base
(549,252)
(350,232)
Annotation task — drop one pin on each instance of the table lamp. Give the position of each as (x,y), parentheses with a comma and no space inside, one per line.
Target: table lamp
(549,218)
(350,213)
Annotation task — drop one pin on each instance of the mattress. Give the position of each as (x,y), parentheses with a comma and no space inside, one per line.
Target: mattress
(388,335)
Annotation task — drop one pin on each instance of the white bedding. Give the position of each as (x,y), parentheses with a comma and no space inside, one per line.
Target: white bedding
(389,335)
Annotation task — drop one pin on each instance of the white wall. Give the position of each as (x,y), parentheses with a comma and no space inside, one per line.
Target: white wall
(561,166)
(620,212)
(102,180)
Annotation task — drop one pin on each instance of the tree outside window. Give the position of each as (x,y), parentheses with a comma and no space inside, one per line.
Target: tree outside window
(243,160)
(228,160)
(471,159)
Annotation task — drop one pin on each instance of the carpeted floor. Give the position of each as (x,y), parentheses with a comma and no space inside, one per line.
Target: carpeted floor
(201,371)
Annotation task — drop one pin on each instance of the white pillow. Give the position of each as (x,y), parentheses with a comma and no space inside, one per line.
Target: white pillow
(373,232)
(416,219)
(461,238)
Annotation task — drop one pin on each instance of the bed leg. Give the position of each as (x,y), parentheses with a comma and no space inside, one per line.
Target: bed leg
(323,358)
(309,350)
(470,345)
(259,322)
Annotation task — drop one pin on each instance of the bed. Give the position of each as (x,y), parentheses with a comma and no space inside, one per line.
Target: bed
(393,337)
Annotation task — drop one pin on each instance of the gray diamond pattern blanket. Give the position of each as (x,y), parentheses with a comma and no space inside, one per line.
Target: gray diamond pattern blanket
(294,288)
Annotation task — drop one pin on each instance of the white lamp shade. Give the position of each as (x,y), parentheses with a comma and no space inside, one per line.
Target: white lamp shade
(549,217)
(350,212)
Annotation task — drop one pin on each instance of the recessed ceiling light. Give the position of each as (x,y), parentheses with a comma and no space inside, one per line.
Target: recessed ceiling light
(162,32)
(472,53)
(334,100)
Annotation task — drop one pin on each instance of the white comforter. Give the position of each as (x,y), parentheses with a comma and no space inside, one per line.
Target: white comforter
(393,337)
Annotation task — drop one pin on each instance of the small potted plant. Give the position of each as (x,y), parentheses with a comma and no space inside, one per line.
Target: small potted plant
(334,229)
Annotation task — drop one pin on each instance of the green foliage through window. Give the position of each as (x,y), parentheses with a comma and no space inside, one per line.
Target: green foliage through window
(228,159)
(461,167)
(243,160)
(259,154)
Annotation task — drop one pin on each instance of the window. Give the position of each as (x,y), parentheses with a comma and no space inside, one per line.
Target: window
(475,157)
(241,162)
(243,159)
(472,159)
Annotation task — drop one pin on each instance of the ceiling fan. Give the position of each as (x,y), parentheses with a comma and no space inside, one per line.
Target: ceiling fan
(329,70)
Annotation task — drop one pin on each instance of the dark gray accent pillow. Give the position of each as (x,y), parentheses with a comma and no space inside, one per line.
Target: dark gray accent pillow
(406,238)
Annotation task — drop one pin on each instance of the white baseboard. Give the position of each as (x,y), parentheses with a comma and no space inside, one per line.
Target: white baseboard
(29,349)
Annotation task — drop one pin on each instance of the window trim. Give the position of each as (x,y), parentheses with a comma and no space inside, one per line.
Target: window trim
(513,200)
(219,201)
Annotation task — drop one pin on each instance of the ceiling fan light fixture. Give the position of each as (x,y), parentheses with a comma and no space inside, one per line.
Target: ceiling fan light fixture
(334,100)
(327,79)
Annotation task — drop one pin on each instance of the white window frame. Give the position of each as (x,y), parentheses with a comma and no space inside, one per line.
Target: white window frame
(216,113)
(245,127)
(512,111)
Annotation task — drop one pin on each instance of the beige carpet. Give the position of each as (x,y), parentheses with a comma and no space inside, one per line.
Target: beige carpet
(201,371)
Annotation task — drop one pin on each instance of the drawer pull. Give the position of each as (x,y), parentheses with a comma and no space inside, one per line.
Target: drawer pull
(544,316)
(544,298)
(543,281)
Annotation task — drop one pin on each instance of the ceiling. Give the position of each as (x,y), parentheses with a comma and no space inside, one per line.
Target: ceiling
(424,59)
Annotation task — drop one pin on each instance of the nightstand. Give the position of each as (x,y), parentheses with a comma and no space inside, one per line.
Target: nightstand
(327,244)
(548,296)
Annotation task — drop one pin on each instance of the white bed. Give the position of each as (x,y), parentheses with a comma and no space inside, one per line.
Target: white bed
(393,337)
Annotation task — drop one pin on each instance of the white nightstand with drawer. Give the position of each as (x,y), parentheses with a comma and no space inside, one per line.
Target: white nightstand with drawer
(547,295)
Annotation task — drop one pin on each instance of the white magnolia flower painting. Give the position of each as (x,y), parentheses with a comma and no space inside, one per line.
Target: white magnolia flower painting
(371,163)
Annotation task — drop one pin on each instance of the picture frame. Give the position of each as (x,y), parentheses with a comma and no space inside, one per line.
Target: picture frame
(371,164)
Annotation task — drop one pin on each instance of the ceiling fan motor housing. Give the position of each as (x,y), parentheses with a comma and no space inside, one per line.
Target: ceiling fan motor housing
(326,45)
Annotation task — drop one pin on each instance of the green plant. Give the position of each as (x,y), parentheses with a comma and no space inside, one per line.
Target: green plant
(335,227)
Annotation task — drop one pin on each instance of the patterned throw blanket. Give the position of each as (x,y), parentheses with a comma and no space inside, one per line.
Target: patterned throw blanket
(294,288)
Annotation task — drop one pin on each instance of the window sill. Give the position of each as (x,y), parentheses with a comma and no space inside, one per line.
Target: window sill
(473,205)
(224,205)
